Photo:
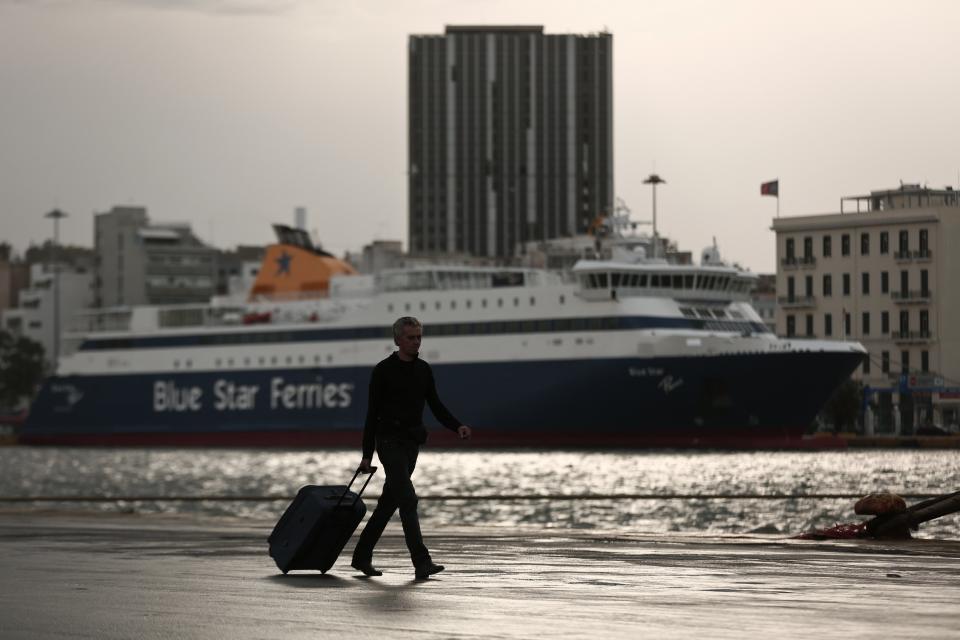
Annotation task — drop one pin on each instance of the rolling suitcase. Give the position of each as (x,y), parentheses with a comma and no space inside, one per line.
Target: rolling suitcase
(316,526)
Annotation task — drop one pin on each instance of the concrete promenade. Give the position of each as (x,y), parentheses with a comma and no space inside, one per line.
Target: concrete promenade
(66,575)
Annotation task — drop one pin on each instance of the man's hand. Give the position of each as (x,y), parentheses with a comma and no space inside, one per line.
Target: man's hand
(364,465)
(464,432)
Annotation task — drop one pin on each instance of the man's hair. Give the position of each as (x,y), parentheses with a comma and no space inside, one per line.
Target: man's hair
(405,321)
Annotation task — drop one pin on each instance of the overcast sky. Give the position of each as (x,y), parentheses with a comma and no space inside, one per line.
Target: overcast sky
(229,113)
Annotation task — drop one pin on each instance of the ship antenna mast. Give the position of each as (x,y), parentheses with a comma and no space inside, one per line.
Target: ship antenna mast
(654,180)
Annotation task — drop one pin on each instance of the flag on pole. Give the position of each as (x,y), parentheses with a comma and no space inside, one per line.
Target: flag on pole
(771,188)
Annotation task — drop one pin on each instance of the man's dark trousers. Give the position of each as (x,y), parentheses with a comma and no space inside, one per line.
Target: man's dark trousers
(398,457)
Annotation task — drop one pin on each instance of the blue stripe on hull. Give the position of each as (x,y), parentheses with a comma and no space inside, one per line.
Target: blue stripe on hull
(745,395)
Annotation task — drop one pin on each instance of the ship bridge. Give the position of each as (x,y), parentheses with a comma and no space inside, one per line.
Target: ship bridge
(604,280)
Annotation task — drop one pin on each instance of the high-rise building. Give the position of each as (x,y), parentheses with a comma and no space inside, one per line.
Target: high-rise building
(510,137)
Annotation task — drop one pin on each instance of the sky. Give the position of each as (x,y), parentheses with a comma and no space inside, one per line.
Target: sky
(228,114)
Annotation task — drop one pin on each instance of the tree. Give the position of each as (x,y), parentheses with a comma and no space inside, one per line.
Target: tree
(21,368)
(843,407)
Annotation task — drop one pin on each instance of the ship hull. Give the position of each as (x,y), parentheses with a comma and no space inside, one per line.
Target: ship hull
(737,400)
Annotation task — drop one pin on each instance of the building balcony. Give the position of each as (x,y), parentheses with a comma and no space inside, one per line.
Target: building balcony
(911,297)
(796,302)
(920,255)
(790,262)
(915,337)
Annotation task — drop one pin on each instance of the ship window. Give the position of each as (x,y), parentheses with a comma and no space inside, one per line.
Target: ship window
(423,306)
(301,359)
(544,325)
(329,358)
(273,359)
(483,303)
(468,303)
(453,304)
(719,313)
(499,302)
(229,362)
(176,364)
(246,361)
(664,281)
(533,301)
(289,360)
(643,280)
(516,302)
(216,362)
(704,313)
(390,308)
(316,359)
(654,280)
(562,300)
(687,311)
(260,360)
(677,281)
(688,282)
(406,307)
(615,279)
(736,314)
(438,305)
(528,326)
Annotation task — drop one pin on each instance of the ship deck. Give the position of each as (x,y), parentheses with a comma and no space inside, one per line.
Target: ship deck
(124,576)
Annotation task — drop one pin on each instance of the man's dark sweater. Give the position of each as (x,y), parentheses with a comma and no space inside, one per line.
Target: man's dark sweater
(398,390)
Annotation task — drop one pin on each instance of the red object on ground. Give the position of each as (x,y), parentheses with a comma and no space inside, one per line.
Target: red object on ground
(837,532)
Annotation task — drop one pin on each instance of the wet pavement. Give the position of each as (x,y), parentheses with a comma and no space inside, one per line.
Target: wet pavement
(116,576)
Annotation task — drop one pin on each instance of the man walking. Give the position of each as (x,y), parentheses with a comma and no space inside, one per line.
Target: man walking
(399,387)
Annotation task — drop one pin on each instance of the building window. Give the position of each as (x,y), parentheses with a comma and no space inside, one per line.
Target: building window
(885,361)
(864,244)
(846,324)
(884,282)
(827,324)
(924,322)
(791,289)
(924,242)
(809,323)
(904,362)
(904,284)
(845,244)
(924,283)
(808,247)
(925,361)
(866,365)
(846,284)
(826,246)
(791,326)
(808,283)
(904,242)
(884,322)
(791,253)
(866,323)
(865,283)
(904,322)
(827,285)
(884,242)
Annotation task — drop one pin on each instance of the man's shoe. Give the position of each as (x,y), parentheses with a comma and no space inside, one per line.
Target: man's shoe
(366,568)
(427,569)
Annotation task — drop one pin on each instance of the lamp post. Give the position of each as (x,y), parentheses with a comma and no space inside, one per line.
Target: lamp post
(56,215)
(654,180)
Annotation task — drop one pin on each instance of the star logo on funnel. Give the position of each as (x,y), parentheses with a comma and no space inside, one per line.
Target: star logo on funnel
(283,263)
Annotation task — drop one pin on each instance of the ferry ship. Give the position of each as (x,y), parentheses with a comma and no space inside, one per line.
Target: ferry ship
(624,349)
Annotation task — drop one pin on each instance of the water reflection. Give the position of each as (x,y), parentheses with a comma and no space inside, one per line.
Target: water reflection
(28,471)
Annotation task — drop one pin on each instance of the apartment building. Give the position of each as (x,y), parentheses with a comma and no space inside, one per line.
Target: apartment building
(880,273)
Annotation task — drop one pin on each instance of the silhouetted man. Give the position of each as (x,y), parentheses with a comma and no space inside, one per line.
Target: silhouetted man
(399,387)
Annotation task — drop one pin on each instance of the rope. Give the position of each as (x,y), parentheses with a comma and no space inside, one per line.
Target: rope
(475,497)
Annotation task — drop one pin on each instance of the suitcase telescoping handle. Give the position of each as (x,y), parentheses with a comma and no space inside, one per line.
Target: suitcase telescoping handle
(359,493)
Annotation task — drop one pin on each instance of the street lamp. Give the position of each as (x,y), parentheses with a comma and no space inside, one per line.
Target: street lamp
(56,215)
(654,180)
